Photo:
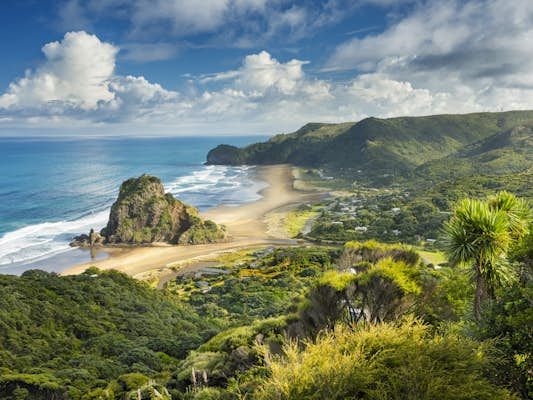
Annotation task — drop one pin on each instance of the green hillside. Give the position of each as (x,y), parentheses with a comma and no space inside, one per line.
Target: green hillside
(507,152)
(394,145)
(62,336)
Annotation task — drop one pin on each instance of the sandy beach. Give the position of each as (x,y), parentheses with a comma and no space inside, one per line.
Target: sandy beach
(246,225)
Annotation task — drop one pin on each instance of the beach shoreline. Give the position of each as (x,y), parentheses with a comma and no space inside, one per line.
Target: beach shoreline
(246,224)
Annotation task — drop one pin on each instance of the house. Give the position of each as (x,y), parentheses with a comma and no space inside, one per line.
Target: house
(207,271)
(395,210)
(360,228)
(264,252)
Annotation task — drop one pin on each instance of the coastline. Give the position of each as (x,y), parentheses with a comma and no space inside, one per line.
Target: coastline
(246,225)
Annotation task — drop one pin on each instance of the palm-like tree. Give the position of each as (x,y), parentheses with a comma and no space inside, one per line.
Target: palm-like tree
(517,211)
(480,234)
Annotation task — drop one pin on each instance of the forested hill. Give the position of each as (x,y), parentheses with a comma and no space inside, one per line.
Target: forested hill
(60,337)
(393,145)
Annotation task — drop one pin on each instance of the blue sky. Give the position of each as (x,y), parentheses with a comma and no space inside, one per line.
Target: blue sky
(182,67)
(164,56)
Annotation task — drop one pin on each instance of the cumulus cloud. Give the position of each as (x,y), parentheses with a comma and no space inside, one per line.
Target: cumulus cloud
(443,57)
(265,89)
(77,71)
(77,82)
(261,73)
(183,16)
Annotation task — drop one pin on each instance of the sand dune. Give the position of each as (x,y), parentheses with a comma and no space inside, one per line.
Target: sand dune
(245,223)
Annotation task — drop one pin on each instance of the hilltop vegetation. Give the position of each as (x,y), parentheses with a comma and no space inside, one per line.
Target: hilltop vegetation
(501,155)
(60,337)
(384,361)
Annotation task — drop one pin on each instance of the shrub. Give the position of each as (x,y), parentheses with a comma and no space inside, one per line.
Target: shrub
(384,361)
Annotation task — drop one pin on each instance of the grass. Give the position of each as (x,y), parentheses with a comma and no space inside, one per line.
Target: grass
(236,256)
(257,273)
(295,221)
(433,257)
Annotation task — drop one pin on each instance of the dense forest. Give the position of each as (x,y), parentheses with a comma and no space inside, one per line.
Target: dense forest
(363,320)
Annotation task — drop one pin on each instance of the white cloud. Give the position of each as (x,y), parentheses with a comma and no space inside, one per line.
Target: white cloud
(147,52)
(481,40)
(76,81)
(261,75)
(264,94)
(261,72)
(468,56)
(438,59)
(77,71)
(184,16)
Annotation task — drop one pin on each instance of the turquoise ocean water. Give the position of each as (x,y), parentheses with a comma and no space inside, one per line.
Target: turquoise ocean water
(53,189)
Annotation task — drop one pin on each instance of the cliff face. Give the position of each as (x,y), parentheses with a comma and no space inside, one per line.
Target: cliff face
(144,213)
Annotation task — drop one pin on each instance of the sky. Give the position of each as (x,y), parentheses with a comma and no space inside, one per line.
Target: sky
(245,67)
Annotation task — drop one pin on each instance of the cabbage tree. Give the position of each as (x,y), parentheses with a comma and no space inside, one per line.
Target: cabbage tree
(479,235)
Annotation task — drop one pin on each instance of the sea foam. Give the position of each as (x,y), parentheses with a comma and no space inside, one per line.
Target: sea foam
(215,185)
(38,241)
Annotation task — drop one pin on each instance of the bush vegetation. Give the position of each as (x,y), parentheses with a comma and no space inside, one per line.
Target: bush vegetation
(367,320)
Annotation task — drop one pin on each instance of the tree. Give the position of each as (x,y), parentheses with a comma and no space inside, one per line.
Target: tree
(517,212)
(480,234)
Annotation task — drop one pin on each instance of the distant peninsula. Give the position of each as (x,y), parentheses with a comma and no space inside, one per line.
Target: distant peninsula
(143,213)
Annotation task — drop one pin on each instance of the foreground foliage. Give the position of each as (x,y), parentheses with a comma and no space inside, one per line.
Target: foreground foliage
(365,321)
(383,361)
(61,336)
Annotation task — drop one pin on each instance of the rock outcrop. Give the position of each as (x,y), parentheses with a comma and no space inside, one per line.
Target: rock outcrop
(143,213)
(225,154)
(93,239)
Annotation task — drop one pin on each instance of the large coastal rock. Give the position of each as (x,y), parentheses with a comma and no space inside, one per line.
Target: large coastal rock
(225,154)
(144,213)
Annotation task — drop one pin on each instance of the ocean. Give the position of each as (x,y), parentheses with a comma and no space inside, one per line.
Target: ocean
(52,189)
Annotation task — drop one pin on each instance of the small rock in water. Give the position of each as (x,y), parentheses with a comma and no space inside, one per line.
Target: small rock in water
(91,240)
